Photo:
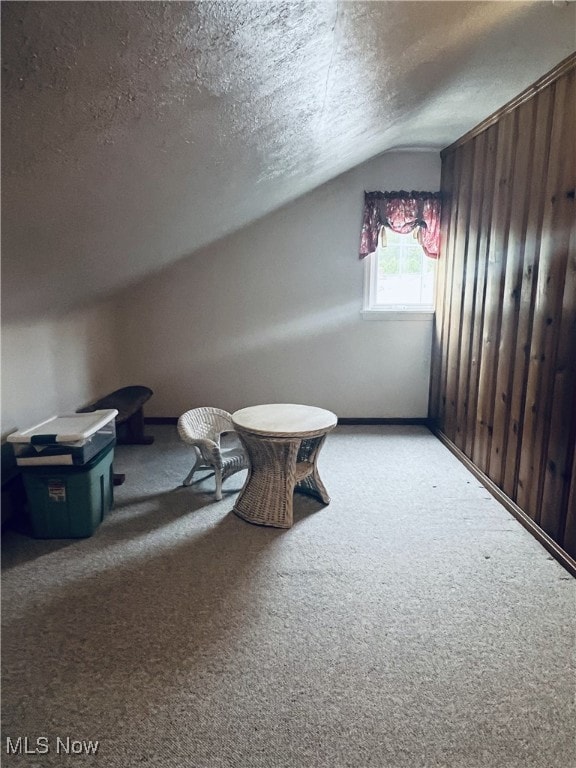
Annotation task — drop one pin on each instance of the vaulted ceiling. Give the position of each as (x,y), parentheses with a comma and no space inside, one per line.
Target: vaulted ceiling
(136,132)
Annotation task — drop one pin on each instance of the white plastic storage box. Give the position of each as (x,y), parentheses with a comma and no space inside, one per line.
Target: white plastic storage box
(65,440)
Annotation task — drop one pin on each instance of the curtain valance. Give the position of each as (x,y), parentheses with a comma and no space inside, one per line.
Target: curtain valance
(402,212)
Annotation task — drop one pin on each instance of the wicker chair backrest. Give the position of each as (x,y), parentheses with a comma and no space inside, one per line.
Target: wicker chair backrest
(204,424)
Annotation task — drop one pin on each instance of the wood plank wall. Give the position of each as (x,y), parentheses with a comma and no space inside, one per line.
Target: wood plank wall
(503,387)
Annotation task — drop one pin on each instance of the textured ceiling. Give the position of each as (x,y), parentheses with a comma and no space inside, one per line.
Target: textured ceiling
(136,132)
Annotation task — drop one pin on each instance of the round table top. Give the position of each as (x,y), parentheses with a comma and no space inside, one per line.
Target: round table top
(284,419)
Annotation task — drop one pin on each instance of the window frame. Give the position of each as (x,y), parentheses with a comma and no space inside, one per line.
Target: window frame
(371,310)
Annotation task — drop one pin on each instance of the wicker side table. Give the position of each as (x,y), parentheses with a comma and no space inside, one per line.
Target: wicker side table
(283,442)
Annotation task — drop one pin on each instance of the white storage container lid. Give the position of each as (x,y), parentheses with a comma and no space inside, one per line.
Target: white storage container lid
(65,429)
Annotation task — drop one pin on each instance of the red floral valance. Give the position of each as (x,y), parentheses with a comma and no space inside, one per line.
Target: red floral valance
(402,212)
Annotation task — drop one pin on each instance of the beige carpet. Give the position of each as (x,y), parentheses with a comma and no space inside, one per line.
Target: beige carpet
(412,623)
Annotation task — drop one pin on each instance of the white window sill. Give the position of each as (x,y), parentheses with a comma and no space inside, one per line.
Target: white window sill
(422,315)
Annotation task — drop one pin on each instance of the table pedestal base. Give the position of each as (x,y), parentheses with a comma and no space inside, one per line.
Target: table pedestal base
(279,466)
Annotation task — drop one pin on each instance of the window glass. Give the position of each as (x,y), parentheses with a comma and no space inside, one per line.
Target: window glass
(400,276)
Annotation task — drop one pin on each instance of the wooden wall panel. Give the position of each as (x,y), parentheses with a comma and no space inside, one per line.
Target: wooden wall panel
(560,422)
(473,274)
(503,387)
(459,266)
(451,173)
(497,256)
(546,320)
(522,140)
(485,176)
(569,542)
(529,239)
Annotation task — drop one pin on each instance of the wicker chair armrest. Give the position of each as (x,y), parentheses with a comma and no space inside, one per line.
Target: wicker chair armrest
(209,450)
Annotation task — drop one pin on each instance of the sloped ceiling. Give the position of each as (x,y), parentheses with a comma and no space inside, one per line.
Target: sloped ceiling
(136,132)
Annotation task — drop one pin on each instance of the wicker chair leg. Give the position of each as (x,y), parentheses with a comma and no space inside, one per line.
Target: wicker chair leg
(218,474)
(188,480)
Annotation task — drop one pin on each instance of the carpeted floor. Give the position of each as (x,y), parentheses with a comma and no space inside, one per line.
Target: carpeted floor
(412,623)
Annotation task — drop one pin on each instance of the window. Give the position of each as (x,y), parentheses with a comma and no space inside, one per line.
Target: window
(399,276)
(400,242)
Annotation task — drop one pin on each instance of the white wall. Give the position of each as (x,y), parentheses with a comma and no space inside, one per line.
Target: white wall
(272,313)
(55,365)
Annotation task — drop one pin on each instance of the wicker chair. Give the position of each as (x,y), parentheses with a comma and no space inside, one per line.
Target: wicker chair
(201,428)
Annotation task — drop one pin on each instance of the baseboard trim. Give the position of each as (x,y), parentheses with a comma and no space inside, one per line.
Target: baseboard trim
(386,422)
(547,542)
(423,422)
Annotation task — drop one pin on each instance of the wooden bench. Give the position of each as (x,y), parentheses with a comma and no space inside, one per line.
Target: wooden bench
(129,402)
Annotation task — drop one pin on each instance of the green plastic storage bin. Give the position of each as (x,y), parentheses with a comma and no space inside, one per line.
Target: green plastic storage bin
(69,502)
